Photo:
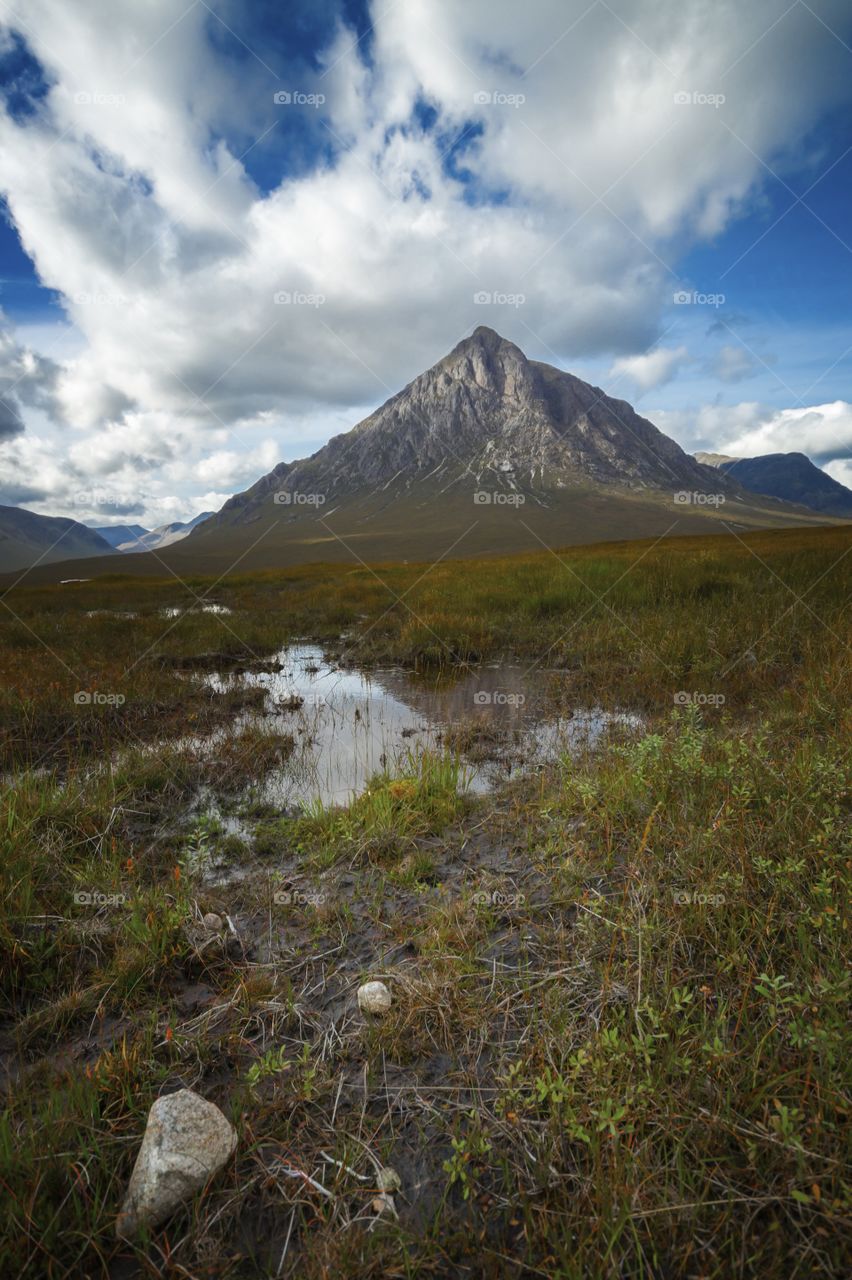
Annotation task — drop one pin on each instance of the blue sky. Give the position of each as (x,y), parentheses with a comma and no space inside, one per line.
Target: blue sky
(654,195)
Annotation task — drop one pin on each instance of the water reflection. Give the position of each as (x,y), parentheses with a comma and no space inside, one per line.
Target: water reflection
(351,724)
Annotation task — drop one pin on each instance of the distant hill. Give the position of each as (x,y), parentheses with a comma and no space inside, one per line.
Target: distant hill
(27,538)
(164,535)
(115,534)
(789,476)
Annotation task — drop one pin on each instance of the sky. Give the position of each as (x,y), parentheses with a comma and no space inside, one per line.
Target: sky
(232,228)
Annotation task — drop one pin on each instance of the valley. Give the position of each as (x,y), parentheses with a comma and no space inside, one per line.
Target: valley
(235,800)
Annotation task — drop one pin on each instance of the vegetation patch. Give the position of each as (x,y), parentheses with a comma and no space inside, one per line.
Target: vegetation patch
(618,1035)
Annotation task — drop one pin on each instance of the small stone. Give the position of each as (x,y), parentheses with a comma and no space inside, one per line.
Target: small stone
(388,1180)
(212,922)
(374,997)
(384,1204)
(186,1141)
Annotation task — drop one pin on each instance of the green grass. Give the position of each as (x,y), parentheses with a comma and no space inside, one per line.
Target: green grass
(619,1038)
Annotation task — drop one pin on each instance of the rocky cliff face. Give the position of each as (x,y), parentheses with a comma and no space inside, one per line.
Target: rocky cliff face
(487,414)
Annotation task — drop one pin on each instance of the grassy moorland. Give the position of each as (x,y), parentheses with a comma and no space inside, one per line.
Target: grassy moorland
(619,1039)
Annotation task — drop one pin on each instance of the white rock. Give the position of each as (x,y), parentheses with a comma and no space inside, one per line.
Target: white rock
(186,1141)
(374,997)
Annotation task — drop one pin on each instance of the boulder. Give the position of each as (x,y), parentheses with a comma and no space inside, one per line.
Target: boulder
(186,1141)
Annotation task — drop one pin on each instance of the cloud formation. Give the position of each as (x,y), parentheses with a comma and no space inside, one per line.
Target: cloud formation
(558,165)
(749,429)
(652,369)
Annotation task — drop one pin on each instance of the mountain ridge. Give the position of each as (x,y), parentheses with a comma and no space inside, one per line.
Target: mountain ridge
(27,538)
(790,477)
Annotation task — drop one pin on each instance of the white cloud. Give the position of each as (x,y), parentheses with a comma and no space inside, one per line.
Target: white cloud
(821,431)
(841,470)
(652,369)
(168,256)
(750,429)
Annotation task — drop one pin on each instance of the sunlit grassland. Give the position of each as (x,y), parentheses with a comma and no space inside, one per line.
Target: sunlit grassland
(636,621)
(619,1042)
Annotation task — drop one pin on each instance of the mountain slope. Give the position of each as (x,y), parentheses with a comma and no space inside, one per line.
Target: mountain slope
(27,538)
(789,476)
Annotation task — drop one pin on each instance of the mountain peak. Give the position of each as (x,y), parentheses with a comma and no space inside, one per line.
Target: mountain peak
(484,339)
(487,337)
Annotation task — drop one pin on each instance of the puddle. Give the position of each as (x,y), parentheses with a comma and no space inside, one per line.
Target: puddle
(350,724)
(110,613)
(170,611)
(177,610)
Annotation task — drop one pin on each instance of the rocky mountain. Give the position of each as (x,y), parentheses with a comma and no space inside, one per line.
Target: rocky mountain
(164,535)
(483,416)
(27,538)
(789,476)
(116,534)
(486,452)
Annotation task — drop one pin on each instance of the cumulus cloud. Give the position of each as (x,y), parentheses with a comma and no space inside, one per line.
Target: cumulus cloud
(562,160)
(821,431)
(750,429)
(652,369)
